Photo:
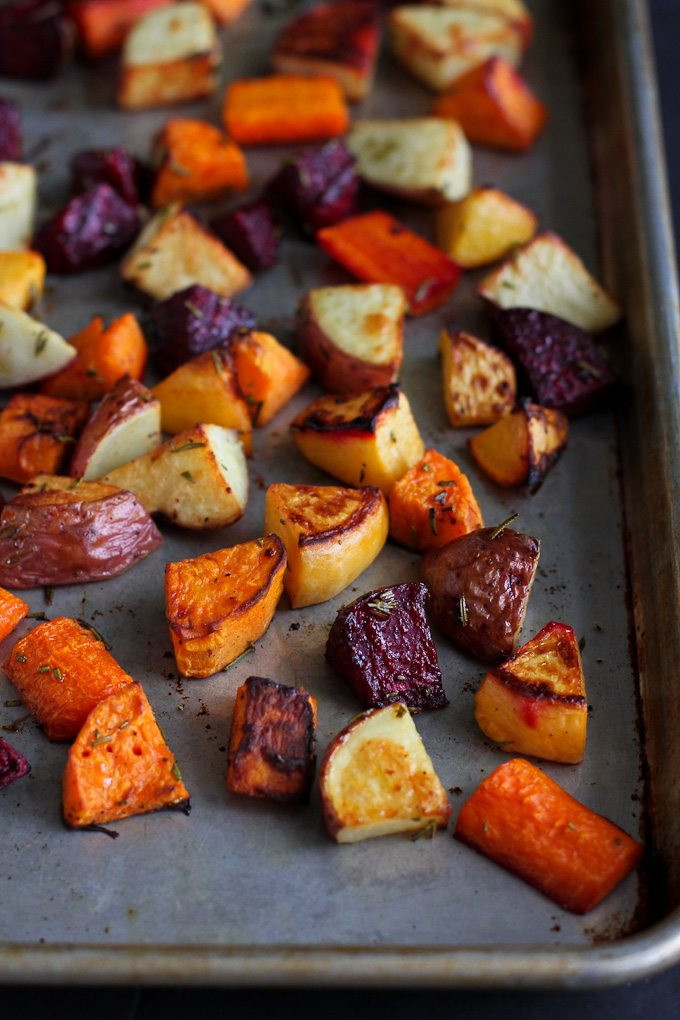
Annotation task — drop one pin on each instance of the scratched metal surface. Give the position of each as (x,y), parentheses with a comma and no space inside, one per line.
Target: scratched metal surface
(238,873)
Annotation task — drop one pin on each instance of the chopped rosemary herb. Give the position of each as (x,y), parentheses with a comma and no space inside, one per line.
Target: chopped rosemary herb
(63,437)
(589,369)
(503,525)
(58,675)
(43,669)
(433,520)
(426,467)
(15,703)
(463,611)
(216,362)
(48,592)
(36,616)
(191,445)
(189,477)
(40,342)
(15,726)
(427,831)
(176,772)
(446,481)
(21,658)
(384,605)
(570,825)
(194,309)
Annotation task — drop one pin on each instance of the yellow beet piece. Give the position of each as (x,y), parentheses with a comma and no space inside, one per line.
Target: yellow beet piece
(22,278)
(483,227)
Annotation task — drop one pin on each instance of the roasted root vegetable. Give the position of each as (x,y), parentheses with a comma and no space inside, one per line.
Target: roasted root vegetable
(480,384)
(120,765)
(170,55)
(62,669)
(125,425)
(483,227)
(425,159)
(252,232)
(336,39)
(479,589)
(12,611)
(524,821)
(522,447)
(511,10)
(29,350)
(13,765)
(331,535)
(36,433)
(317,188)
(198,480)
(535,702)
(375,248)
(548,276)
(226,11)
(115,167)
(61,531)
(104,355)
(431,504)
(103,24)
(351,336)
(368,439)
(18,189)
(22,277)
(382,645)
(495,107)
(195,162)
(219,603)
(35,39)
(174,251)
(377,779)
(269,375)
(284,108)
(10,130)
(272,744)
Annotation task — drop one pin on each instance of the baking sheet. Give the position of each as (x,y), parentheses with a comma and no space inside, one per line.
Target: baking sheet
(230,892)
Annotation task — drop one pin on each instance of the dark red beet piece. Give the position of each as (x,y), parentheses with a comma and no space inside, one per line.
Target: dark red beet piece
(89,231)
(382,645)
(10,130)
(35,39)
(319,187)
(562,364)
(252,232)
(12,764)
(192,321)
(114,167)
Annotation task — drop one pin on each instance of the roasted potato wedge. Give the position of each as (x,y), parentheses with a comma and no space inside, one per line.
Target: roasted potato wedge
(480,384)
(28,349)
(22,278)
(125,425)
(523,446)
(483,227)
(36,433)
(18,196)
(377,779)
(513,10)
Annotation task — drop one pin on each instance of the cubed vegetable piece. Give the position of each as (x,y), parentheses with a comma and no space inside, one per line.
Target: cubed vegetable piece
(195,162)
(226,11)
(13,765)
(104,355)
(382,645)
(317,188)
(62,669)
(126,424)
(524,821)
(284,108)
(480,385)
(29,350)
(479,587)
(431,504)
(10,130)
(483,227)
(252,232)
(514,11)
(12,611)
(35,39)
(522,447)
(22,278)
(120,765)
(375,248)
(269,375)
(272,745)
(36,433)
(103,24)
(115,167)
(377,779)
(18,193)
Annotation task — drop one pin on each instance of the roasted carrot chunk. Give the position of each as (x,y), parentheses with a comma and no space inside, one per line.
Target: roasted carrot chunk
(525,822)
(62,670)
(269,375)
(432,504)
(104,355)
(36,433)
(375,248)
(12,611)
(195,161)
(284,108)
(272,745)
(120,764)
(103,24)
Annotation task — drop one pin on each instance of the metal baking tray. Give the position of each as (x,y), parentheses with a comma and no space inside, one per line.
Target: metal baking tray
(253,893)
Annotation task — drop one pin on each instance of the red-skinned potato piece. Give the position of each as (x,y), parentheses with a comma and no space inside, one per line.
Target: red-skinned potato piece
(522,447)
(125,425)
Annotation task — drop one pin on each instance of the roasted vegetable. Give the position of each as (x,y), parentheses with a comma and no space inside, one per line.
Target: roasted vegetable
(120,765)
(226,11)
(269,375)
(62,669)
(522,447)
(284,108)
(377,779)
(219,603)
(13,765)
(103,24)
(510,10)
(36,433)
(10,130)
(125,425)
(535,702)
(114,167)
(12,611)
(479,586)
(525,822)
(272,744)
(35,39)
(330,535)
(22,277)
(194,161)
(18,189)
(382,645)
(104,356)
(317,188)
(480,385)
(252,232)
(483,227)
(29,350)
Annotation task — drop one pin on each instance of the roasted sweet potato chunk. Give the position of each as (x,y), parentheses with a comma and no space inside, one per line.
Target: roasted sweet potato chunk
(272,745)
(269,375)
(13,765)
(284,108)
(480,385)
(22,277)
(522,447)
(219,603)
(120,764)
(12,611)
(195,162)
(36,433)
(105,355)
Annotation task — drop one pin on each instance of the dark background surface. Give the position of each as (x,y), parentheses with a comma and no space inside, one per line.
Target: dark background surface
(657,997)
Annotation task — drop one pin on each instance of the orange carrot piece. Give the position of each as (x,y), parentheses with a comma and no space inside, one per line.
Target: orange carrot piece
(36,433)
(268,374)
(284,108)
(494,106)
(375,248)
(62,670)
(196,162)
(104,356)
(525,822)
(12,611)
(120,764)
(103,24)
(432,504)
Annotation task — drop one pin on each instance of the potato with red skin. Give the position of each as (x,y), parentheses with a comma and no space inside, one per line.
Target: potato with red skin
(125,425)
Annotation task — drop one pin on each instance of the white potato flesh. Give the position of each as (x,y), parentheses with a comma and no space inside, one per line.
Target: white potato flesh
(125,440)
(29,350)
(18,192)
(364,320)
(170,33)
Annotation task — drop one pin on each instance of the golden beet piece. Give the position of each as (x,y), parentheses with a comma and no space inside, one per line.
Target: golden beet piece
(522,447)
(120,764)
(483,227)
(22,278)
(105,354)
(36,432)
(12,611)
(195,162)
(432,504)
(535,703)
(480,384)
(269,375)
(272,745)
(62,670)
(217,604)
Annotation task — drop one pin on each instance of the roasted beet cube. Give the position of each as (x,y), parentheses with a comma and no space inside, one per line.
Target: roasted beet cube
(192,321)
(318,187)
(35,38)
(382,645)
(562,365)
(252,232)
(89,231)
(10,130)
(114,167)
(12,764)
